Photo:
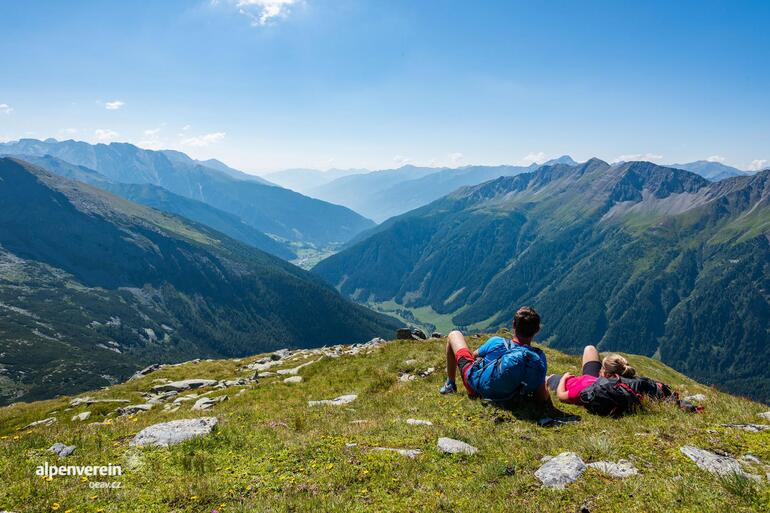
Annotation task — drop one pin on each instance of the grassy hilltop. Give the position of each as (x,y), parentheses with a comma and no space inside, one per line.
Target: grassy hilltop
(272,452)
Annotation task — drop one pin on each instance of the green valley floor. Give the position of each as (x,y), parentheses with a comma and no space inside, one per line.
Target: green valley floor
(273,451)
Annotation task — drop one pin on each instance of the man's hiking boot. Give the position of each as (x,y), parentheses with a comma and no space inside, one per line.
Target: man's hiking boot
(449,388)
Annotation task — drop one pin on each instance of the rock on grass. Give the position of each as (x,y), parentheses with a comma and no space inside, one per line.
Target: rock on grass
(61,449)
(409,453)
(171,433)
(185,384)
(714,463)
(561,470)
(452,446)
(337,401)
(621,470)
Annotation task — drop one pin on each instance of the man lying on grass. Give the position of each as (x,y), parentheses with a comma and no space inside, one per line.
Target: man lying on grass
(501,369)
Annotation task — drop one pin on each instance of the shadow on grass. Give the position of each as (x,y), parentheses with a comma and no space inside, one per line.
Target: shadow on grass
(544,415)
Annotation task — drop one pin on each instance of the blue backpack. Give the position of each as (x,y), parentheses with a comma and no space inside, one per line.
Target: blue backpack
(520,371)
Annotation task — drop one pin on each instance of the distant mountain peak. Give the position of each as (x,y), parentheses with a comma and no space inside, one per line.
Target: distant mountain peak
(710,170)
(564,159)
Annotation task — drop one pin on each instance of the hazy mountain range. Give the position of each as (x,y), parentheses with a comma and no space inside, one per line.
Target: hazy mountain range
(382,194)
(270,209)
(305,180)
(713,171)
(634,257)
(93,286)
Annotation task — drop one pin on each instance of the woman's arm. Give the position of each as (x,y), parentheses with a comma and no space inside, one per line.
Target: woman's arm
(561,390)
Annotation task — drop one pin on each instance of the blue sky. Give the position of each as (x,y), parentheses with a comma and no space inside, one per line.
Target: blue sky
(270,84)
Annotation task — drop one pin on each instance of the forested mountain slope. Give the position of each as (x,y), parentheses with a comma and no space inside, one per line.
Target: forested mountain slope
(93,286)
(633,257)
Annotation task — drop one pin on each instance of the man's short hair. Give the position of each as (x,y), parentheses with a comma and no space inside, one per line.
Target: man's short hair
(526,322)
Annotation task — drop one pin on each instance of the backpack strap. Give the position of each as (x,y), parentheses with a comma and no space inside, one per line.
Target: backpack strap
(637,395)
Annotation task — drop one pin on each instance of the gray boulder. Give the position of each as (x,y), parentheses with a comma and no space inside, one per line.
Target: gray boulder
(452,446)
(81,416)
(752,428)
(261,366)
(145,371)
(714,463)
(45,422)
(185,384)
(234,382)
(409,453)
(696,398)
(418,422)
(410,334)
(293,379)
(293,371)
(337,401)
(765,415)
(90,400)
(133,409)
(170,433)
(621,470)
(561,470)
(62,450)
(280,354)
(204,403)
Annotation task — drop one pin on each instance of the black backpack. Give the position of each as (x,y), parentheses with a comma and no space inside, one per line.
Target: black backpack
(649,388)
(617,396)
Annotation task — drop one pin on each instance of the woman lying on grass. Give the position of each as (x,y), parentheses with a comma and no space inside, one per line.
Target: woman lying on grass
(568,386)
(610,386)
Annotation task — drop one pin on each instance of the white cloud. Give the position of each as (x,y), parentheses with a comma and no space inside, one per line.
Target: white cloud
(114,105)
(204,140)
(649,157)
(401,160)
(759,164)
(105,134)
(186,128)
(151,132)
(260,12)
(716,158)
(456,158)
(534,158)
(5,108)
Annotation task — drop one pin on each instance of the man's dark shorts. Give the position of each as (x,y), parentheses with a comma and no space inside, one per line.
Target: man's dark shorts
(591,368)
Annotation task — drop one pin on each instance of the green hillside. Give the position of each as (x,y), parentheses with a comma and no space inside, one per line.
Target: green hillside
(93,287)
(633,257)
(271,451)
